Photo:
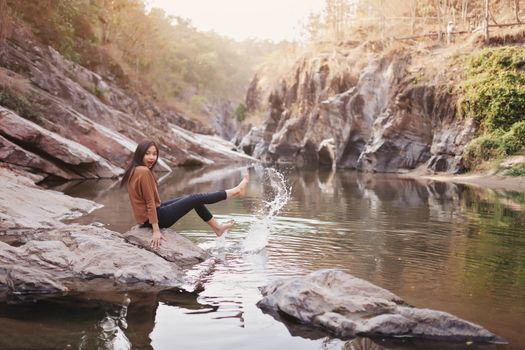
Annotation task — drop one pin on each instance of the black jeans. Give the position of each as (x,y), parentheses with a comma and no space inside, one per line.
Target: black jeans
(171,211)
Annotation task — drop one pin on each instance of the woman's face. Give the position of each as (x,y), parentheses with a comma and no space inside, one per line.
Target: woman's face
(150,157)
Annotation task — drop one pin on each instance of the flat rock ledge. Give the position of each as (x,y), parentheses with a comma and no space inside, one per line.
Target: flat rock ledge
(348,306)
(79,258)
(176,248)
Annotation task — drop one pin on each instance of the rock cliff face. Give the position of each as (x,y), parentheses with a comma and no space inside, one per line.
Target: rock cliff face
(61,119)
(223,123)
(358,108)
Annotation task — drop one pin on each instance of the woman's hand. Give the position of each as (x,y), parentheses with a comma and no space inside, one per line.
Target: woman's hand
(157,239)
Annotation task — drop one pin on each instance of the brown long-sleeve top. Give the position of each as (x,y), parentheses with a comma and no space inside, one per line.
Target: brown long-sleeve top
(143,195)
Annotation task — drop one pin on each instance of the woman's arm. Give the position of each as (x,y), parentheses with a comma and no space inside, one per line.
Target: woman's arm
(157,238)
(148,191)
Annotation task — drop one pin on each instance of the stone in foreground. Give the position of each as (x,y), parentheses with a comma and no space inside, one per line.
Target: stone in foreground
(348,306)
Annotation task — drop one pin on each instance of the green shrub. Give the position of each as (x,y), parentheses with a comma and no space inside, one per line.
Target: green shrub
(494,91)
(518,130)
(509,144)
(19,104)
(518,170)
(240,112)
(54,21)
(494,95)
(481,149)
(495,145)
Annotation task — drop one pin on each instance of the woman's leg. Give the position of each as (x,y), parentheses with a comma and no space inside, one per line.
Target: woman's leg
(173,200)
(218,228)
(201,210)
(171,211)
(237,191)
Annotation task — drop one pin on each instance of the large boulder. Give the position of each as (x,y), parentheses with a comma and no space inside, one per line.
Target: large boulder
(13,155)
(80,258)
(201,149)
(348,306)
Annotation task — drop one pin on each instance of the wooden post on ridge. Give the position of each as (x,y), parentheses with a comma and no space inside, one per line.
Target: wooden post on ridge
(487,21)
(382,9)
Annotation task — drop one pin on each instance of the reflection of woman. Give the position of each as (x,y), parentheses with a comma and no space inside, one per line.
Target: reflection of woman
(112,326)
(141,316)
(145,202)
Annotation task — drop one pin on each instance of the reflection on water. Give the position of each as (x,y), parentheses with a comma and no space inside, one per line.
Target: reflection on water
(437,245)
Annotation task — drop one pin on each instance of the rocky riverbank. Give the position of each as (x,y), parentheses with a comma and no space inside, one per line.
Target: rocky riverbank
(40,255)
(498,180)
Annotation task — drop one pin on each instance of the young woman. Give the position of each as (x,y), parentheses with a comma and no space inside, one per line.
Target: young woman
(145,202)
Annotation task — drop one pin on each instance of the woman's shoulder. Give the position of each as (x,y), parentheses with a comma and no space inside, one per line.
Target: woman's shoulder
(142,170)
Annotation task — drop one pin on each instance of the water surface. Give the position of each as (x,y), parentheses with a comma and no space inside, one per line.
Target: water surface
(438,245)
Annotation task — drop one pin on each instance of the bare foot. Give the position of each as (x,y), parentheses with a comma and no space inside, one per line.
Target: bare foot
(240,189)
(219,231)
(243,185)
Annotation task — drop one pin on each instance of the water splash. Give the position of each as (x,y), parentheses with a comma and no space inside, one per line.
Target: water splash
(220,242)
(260,230)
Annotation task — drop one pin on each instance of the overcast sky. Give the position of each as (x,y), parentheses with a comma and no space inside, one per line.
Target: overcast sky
(240,19)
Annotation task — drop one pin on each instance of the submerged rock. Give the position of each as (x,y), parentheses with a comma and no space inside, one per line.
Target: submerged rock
(348,306)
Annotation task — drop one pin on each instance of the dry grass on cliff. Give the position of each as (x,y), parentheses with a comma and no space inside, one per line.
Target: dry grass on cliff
(12,81)
(436,63)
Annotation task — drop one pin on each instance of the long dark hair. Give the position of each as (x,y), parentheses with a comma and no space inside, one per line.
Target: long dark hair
(138,158)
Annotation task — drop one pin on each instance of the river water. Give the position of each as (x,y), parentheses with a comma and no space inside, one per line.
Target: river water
(449,247)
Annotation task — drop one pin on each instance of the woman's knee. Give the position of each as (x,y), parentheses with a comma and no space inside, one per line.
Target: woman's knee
(196,197)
